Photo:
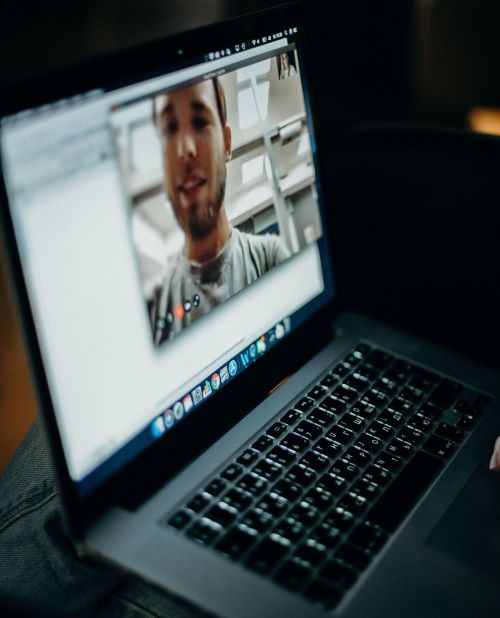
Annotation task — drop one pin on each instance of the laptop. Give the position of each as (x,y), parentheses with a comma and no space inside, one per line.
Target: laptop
(217,427)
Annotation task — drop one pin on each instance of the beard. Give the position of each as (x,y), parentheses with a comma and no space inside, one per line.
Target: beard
(202,218)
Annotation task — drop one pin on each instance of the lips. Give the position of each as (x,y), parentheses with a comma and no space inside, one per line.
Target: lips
(191,184)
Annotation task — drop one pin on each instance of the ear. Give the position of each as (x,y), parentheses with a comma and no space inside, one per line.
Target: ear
(227,140)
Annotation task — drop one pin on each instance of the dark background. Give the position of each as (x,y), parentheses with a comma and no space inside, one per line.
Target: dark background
(415,210)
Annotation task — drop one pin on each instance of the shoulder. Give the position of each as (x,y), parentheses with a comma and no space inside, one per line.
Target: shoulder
(268,246)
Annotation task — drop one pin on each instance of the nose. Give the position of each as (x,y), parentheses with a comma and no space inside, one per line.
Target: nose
(186,146)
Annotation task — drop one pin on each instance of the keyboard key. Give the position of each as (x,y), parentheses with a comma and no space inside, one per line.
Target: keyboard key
(305,513)
(319,498)
(291,417)
(448,432)
(410,435)
(326,535)
(421,383)
(276,430)
(339,572)
(402,406)
(445,394)
(341,370)
(198,503)
(431,411)
(281,456)
(258,520)
(286,489)
(306,403)
(464,407)
(321,417)
(339,518)
(356,456)
(379,476)
(263,443)
(340,434)
(222,514)
(361,350)
(369,443)
(252,484)
(388,461)
(366,372)
(308,430)
(393,419)
(236,542)
(311,552)
(379,359)
(353,556)
(330,404)
(316,461)
(344,469)
(273,504)
(465,422)
(380,430)
(332,483)
(203,532)
(328,381)
(439,446)
(238,499)
(376,398)
(247,457)
(323,593)
(399,448)
(365,489)
(421,422)
(316,393)
(267,470)
(387,386)
(356,384)
(367,537)
(328,448)
(301,475)
(295,442)
(290,529)
(366,410)
(353,503)
(345,393)
(232,472)
(215,487)
(412,394)
(180,520)
(266,555)
(399,498)
(292,575)
(352,422)
(351,359)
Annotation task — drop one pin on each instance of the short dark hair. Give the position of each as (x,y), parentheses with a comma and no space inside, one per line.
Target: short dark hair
(220,99)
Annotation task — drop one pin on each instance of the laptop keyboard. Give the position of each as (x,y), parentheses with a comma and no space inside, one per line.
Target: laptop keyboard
(313,498)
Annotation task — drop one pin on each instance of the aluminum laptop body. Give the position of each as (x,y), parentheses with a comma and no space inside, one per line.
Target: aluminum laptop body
(159,401)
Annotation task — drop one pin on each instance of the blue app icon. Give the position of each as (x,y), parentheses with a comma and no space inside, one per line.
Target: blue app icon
(245,358)
(158,427)
(253,350)
(233,368)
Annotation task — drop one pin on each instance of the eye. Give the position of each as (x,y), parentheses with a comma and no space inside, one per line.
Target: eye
(171,127)
(199,123)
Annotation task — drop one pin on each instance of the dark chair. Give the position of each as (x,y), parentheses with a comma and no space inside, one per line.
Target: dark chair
(416,217)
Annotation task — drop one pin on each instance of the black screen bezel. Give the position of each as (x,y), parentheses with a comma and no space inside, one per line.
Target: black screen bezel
(141,476)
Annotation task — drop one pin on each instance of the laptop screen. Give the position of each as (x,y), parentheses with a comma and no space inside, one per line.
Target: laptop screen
(170,235)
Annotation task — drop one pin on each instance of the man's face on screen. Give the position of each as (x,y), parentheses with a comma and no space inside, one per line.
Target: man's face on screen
(194,152)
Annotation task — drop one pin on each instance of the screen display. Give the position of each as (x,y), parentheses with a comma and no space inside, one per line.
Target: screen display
(170,234)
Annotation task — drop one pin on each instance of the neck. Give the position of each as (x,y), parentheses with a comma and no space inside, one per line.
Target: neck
(206,249)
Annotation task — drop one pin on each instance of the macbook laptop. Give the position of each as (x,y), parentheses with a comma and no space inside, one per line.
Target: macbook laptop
(216,426)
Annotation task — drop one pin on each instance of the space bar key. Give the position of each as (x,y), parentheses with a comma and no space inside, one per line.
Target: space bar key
(396,502)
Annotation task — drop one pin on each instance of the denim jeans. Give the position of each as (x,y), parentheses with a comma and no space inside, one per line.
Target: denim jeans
(40,572)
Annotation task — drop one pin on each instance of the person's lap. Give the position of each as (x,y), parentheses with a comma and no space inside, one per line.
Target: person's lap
(40,571)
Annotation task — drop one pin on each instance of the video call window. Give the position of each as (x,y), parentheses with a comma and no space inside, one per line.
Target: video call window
(220,180)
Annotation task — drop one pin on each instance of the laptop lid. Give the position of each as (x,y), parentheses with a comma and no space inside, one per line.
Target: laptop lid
(168,238)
